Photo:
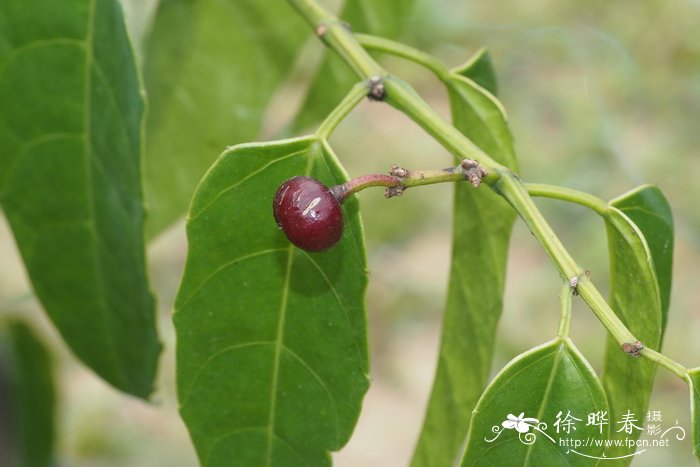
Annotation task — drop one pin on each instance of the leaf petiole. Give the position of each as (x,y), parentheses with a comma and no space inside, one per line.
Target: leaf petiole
(567,194)
(662,360)
(398,49)
(565,317)
(357,93)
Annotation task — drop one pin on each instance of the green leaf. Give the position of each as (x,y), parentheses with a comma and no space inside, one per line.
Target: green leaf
(210,71)
(694,384)
(27,399)
(635,295)
(70,142)
(481,232)
(272,352)
(388,18)
(648,208)
(479,69)
(547,383)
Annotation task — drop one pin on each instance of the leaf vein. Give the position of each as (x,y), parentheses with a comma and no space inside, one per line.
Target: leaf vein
(26,147)
(323,386)
(644,211)
(221,268)
(335,294)
(194,216)
(16,52)
(212,357)
(228,434)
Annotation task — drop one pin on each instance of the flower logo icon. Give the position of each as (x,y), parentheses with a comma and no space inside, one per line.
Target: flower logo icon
(520,423)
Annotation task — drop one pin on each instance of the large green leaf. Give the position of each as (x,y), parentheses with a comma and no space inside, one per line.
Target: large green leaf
(211,68)
(272,352)
(635,295)
(70,145)
(694,384)
(554,385)
(482,226)
(387,18)
(27,397)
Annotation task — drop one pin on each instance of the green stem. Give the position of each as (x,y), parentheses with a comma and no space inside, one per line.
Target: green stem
(661,359)
(601,207)
(399,94)
(403,97)
(338,37)
(404,51)
(566,194)
(430,177)
(565,319)
(513,190)
(355,96)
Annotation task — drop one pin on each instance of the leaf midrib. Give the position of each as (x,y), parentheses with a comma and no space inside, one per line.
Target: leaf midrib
(278,351)
(559,349)
(280,329)
(89,188)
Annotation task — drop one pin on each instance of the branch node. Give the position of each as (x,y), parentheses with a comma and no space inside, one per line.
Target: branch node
(474,178)
(394,191)
(633,349)
(469,164)
(397,171)
(321,30)
(573,284)
(376,89)
(473,171)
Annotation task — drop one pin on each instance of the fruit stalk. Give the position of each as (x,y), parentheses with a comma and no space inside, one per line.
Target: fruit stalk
(399,179)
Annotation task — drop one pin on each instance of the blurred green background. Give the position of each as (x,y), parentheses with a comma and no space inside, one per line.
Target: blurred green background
(602,96)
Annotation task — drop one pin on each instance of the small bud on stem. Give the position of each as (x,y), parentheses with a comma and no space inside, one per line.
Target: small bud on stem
(473,172)
(632,348)
(394,191)
(397,171)
(376,88)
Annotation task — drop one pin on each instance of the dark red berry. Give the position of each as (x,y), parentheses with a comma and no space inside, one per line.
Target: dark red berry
(308,214)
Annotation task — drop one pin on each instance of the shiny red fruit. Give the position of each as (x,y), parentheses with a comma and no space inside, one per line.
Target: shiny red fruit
(308,214)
